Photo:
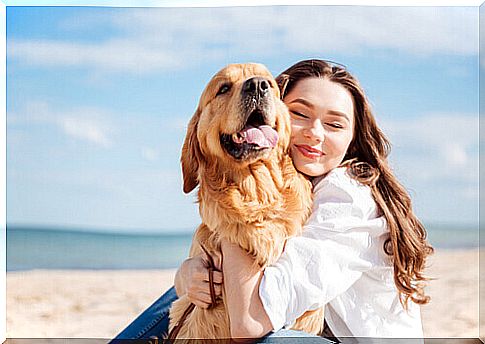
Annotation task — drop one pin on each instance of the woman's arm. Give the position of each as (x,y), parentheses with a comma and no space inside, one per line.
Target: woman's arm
(241,283)
(341,240)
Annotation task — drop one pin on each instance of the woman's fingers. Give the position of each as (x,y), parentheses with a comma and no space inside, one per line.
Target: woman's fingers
(203,276)
(218,289)
(205,289)
(217,277)
(217,258)
(199,299)
(199,296)
(200,304)
(202,298)
(201,292)
(197,281)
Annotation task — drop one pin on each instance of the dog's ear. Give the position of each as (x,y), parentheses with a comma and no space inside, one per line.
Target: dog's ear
(191,155)
(284,128)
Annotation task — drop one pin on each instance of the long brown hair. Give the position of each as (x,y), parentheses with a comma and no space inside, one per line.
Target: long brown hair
(366,159)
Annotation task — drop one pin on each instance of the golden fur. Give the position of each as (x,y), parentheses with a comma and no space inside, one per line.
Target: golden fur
(257,202)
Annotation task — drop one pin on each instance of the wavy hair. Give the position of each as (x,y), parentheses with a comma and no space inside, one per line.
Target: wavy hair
(366,159)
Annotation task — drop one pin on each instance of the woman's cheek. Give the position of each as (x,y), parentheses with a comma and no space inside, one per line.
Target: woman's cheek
(293,134)
(295,130)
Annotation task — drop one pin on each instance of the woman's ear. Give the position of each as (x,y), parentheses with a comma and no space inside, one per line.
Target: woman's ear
(191,155)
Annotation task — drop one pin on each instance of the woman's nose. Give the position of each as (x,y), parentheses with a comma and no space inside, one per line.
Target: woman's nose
(315,131)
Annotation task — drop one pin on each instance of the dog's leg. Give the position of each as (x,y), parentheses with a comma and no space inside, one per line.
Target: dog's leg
(200,323)
(310,322)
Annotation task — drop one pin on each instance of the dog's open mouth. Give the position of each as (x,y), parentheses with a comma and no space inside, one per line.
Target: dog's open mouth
(255,138)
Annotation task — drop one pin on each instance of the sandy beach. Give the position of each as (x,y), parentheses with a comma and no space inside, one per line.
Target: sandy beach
(98,304)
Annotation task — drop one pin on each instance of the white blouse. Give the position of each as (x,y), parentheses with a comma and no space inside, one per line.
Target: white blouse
(339,261)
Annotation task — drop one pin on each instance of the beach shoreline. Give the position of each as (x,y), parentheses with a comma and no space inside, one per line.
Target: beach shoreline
(100,303)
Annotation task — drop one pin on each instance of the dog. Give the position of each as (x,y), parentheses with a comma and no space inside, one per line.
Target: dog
(236,150)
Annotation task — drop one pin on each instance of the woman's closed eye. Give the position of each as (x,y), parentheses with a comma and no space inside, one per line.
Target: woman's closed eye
(335,125)
(299,114)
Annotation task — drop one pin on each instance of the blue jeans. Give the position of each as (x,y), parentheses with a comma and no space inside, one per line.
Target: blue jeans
(153,322)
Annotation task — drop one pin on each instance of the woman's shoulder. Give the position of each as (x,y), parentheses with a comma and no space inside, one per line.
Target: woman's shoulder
(341,178)
(338,187)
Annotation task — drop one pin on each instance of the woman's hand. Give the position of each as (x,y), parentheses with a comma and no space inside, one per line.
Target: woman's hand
(192,279)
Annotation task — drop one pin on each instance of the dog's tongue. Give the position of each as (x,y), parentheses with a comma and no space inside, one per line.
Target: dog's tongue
(263,136)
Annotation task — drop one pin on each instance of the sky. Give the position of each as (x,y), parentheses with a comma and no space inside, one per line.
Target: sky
(98,100)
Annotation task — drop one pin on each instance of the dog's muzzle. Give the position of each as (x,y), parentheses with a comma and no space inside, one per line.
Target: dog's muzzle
(256,135)
(256,87)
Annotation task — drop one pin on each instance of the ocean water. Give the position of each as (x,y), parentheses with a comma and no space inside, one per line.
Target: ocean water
(35,248)
(41,248)
(453,236)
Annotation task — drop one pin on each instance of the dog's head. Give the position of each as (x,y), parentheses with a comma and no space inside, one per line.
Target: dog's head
(240,119)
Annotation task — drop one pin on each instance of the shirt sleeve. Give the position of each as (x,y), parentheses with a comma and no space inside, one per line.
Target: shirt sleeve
(337,246)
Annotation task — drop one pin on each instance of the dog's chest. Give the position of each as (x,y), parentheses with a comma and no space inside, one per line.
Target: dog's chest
(241,205)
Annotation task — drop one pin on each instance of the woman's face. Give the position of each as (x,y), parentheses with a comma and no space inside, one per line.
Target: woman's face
(322,124)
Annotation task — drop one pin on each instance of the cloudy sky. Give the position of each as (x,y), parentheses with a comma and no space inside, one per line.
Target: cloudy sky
(98,100)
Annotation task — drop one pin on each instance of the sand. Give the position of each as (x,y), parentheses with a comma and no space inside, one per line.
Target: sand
(98,304)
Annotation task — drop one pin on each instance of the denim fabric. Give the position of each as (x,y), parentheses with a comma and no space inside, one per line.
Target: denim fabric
(153,322)
(293,337)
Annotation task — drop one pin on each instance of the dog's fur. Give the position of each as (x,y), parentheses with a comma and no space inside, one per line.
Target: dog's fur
(256,200)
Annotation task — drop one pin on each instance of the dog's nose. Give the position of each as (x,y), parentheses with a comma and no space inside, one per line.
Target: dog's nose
(256,86)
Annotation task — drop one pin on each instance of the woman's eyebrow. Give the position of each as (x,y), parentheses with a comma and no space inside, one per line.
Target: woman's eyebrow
(302,101)
(339,113)
(311,106)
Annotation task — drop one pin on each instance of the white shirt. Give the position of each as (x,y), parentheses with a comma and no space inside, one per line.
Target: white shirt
(339,261)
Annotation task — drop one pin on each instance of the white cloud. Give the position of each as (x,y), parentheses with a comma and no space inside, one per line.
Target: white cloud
(86,124)
(436,146)
(160,39)
(414,30)
(87,130)
(114,55)
(455,155)
(436,128)
(436,157)
(150,154)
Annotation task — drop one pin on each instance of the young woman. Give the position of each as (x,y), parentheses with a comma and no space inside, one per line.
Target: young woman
(362,252)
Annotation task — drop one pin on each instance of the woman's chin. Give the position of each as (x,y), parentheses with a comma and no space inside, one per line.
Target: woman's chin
(310,170)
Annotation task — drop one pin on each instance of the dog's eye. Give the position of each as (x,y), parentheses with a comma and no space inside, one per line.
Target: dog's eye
(224,89)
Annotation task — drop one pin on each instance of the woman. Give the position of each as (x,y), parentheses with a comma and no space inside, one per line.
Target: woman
(362,252)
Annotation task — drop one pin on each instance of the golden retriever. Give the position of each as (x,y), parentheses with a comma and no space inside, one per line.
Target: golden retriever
(236,150)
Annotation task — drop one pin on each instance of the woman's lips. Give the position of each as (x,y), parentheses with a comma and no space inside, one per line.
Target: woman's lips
(309,152)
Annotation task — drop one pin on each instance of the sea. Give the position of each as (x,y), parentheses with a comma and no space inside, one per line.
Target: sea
(30,248)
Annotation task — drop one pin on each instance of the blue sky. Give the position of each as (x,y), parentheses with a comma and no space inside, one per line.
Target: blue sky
(98,100)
